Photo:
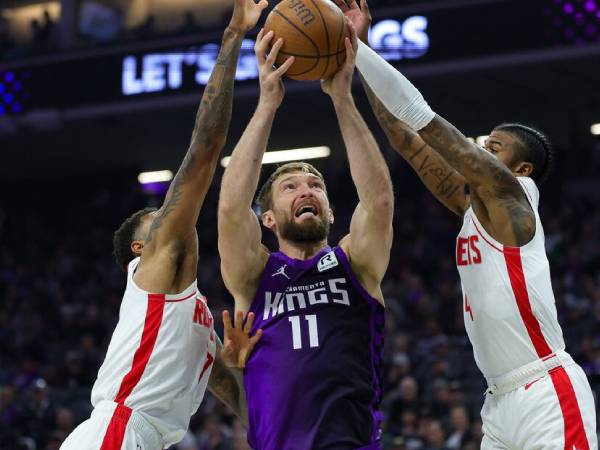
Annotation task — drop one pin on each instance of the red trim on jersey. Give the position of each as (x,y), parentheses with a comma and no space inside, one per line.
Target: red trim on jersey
(181,299)
(483,237)
(573,423)
(154,315)
(512,257)
(574,430)
(209,360)
(113,439)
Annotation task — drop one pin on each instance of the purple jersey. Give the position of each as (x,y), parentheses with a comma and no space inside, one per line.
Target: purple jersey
(314,379)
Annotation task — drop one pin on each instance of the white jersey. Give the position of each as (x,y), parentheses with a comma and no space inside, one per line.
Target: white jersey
(159,358)
(509,308)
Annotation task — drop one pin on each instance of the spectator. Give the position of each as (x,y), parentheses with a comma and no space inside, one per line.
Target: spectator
(64,420)
(42,32)
(434,436)
(460,426)
(214,435)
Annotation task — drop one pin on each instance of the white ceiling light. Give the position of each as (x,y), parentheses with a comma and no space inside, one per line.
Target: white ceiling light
(298,154)
(159,176)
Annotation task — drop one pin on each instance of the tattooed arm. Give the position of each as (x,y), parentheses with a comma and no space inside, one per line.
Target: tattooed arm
(497,196)
(169,257)
(445,183)
(495,193)
(227,384)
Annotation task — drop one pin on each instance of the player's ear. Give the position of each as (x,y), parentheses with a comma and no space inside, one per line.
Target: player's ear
(136,247)
(331,218)
(523,169)
(268,220)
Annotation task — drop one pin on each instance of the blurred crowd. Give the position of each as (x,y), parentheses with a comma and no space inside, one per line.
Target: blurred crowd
(60,292)
(101,22)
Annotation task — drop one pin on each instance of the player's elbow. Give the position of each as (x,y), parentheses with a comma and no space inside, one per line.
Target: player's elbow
(228,208)
(384,203)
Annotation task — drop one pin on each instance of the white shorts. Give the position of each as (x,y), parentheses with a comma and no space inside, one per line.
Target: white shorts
(553,412)
(113,427)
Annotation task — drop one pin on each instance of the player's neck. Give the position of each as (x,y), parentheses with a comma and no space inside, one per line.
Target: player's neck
(301,250)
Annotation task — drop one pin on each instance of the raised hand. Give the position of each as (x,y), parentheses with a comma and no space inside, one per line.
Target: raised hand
(340,84)
(237,343)
(246,14)
(359,17)
(272,90)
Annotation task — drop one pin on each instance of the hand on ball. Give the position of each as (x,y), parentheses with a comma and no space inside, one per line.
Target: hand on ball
(271,85)
(340,84)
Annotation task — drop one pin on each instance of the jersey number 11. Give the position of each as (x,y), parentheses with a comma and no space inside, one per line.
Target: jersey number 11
(313,332)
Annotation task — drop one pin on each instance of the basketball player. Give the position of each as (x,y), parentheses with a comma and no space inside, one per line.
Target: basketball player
(538,398)
(314,379)
(161,354)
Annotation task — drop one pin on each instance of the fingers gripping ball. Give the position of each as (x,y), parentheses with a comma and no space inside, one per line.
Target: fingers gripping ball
(313,32)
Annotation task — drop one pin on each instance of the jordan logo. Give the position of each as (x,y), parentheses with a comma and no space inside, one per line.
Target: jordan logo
(281,271)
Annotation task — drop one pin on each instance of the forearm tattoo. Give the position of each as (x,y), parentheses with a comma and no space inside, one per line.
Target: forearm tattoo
(211,126)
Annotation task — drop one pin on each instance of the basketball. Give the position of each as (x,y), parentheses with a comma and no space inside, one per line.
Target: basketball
(313,32)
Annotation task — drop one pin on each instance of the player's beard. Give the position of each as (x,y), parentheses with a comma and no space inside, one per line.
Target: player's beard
(306,231)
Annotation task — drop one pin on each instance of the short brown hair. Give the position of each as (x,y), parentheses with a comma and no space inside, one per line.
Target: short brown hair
(265,195)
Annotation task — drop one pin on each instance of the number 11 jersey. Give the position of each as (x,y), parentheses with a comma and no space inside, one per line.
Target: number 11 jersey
(314,379)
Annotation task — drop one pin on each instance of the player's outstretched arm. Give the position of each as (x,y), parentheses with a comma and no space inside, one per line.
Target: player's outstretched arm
(439,177)
(171,243)
(243,257)
(445,183)
(497,194)
(369,242)
(226,378)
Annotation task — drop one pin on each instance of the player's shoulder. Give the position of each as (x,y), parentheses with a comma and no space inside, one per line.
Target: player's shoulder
(344,244)
(132,266)
(531,190)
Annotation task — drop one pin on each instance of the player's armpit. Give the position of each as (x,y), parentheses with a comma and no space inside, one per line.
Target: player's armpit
(243,257)
(368,248)
(507,219)
(170,269)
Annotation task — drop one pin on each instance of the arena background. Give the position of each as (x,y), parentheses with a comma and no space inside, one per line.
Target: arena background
(89,99)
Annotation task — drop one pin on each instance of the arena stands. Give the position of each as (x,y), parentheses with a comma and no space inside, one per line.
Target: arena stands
(61,289)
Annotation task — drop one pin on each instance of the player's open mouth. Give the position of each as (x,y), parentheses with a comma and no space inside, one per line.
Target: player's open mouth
(306,210)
